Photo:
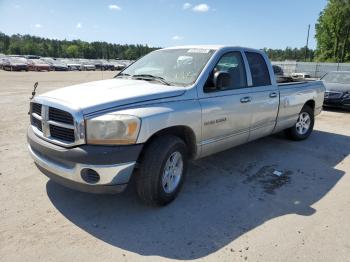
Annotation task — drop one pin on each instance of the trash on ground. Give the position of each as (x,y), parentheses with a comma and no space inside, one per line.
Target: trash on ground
(277,173)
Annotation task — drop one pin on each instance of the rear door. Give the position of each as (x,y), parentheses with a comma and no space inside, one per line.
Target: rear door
(264,96)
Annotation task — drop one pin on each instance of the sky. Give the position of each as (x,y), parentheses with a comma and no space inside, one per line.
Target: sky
(162,23)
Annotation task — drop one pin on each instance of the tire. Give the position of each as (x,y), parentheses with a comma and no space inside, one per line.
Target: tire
(304,125)
(163,152)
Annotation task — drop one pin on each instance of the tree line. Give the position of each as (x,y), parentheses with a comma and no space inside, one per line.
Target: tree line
(295,54)
(33,45)
(26,44)
(333,32)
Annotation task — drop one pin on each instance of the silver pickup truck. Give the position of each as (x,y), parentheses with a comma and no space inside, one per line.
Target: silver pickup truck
(171,106)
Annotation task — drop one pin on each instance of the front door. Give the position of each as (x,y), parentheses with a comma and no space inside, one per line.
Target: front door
(226,113)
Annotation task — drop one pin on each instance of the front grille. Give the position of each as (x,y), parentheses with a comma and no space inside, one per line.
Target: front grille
(36,108)
(36,123)
(61,133)
(60,116)
(53,123)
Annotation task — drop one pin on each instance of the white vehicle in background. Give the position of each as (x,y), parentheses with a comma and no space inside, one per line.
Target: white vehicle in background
(118,65)
(87,65)
(72,64)
(303,76)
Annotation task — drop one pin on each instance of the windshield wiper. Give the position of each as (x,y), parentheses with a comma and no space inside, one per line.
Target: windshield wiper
(152,77)
(121,75)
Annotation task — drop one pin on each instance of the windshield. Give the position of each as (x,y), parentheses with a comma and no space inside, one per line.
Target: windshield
(337,77)
(175,66)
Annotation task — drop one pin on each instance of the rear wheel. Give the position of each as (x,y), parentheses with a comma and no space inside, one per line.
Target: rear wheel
(162,170)
(304,125)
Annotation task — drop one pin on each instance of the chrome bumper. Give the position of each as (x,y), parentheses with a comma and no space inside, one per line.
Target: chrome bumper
(109,174)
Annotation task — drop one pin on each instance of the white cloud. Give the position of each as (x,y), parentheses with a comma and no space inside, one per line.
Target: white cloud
(201,8)
(79,25)
(114,7)
(186,6)
(177,37)
(38,26)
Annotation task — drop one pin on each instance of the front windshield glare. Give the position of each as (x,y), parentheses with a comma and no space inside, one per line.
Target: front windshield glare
(175,66)
(337,77)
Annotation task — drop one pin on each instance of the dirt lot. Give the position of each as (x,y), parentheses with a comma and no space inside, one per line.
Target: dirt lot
(231,208)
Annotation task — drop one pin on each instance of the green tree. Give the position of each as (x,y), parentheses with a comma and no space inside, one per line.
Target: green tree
(333,32)
(73,51)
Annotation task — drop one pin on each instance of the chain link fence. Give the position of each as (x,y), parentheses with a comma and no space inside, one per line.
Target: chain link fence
(316,70)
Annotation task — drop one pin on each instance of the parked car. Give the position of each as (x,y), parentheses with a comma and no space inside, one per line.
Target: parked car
(337,89)
(101,64)
(87,65)
(55,65)
(280,76)
(119,65)
(73,65)
(203,99)
(2,59)
(38,65)
(15,64)
(106,65)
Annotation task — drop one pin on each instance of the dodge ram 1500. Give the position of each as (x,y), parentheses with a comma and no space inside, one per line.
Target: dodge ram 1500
(171,106)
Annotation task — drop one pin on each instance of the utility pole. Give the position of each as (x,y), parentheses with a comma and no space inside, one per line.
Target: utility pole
(307,42)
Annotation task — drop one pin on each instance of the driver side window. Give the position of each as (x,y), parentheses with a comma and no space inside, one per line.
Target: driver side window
(233,65)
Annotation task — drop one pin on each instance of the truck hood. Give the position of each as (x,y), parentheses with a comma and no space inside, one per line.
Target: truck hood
(99,95)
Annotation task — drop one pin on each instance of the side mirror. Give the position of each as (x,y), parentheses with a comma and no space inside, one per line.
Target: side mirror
(222,80)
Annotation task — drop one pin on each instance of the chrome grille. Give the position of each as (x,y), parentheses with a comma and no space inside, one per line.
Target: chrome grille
(37,123)
(55,125)
(36,108)
(61,116)
(61,133)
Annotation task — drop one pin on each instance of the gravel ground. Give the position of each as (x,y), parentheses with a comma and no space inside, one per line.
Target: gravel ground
(232,208)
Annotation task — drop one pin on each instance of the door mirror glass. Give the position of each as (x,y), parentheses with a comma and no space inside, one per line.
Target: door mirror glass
(222,80)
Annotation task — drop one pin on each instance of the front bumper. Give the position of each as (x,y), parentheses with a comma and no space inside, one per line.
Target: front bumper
(113,164)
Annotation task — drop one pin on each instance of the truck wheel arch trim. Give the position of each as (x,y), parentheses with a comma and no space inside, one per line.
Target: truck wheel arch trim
(184,132)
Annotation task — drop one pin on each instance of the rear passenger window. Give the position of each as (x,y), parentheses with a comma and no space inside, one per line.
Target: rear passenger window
(258,69)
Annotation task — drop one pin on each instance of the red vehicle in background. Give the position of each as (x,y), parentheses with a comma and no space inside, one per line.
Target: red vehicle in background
(38,65)
(14,64)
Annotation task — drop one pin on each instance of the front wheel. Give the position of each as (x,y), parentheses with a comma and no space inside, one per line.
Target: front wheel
(162,170)
(304,125)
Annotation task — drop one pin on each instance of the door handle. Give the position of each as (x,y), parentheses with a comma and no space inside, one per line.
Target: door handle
(273,94)
(246,99)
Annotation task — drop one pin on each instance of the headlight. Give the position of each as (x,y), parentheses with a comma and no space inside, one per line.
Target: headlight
(346,95)
(112,129)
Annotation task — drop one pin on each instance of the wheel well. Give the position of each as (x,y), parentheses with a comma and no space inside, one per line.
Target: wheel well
(183,132)
(311,103)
